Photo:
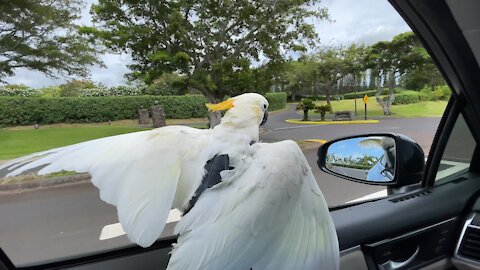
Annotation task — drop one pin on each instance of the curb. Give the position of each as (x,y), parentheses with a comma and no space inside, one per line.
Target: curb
(46,182)
(295,121)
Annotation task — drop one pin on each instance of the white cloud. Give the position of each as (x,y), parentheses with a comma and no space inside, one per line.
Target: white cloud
(365,21)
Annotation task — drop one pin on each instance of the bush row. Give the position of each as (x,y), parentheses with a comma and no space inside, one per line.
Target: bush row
(370,93)
(426,94)
(25,111)
(276,101)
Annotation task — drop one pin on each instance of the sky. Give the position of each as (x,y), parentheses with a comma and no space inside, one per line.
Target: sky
(365,21)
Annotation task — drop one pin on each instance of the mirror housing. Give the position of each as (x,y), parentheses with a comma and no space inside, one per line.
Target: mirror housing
(408,166)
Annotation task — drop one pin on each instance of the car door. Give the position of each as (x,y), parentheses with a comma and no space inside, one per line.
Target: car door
(430,226)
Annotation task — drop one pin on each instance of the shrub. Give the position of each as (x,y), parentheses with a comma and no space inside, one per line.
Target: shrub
(119,91)
(19,90)
(25,111)
(406,98)
(442,92)
(426,94)
(276,101)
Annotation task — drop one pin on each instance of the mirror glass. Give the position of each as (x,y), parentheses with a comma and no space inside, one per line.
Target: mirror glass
(369,158)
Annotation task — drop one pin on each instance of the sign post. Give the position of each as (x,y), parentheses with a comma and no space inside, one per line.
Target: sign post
(365,100)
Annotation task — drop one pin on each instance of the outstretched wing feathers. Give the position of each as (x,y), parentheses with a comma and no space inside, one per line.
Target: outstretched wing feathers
(267,214)
(138,172)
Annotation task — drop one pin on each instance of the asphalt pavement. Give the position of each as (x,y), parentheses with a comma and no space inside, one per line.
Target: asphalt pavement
(66,221)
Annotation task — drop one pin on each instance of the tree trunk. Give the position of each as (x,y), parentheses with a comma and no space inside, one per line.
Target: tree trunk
(327,96)
(386,104)
(355,90)
(322,116)
(305,115)
(214,119)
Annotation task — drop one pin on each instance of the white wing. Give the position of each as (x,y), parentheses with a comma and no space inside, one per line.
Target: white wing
(268,213)
(372,142)
(137,172)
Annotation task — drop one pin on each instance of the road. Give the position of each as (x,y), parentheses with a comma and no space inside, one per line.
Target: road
(66,221)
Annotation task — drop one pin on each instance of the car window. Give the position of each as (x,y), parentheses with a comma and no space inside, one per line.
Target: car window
(351,77)
(458,152)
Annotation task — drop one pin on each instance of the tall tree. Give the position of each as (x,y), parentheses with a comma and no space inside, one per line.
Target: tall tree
(355,56)
(211,42)
(41,35)
(331,66)
(392,59)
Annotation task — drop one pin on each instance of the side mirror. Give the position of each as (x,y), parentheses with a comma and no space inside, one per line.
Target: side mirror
(383,159)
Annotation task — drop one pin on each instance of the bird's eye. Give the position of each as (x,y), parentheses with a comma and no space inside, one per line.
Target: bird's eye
(264,106)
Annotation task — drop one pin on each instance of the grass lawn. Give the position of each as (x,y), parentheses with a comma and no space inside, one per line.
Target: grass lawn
(16,143)
(421,109)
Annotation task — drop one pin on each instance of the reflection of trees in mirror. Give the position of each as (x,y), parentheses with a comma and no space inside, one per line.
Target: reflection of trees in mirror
(360,162)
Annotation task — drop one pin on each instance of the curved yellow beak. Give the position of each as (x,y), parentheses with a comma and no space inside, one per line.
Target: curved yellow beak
(222,106)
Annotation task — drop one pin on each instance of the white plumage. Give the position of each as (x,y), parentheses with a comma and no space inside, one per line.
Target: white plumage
(267,213)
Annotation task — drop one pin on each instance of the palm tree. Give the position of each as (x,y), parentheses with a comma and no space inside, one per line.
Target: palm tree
(305,105)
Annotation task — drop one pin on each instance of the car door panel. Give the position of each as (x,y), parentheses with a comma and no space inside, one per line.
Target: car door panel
(353,258)
(387,218)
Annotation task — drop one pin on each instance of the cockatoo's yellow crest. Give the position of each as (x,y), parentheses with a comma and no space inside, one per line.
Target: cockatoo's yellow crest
(222,106)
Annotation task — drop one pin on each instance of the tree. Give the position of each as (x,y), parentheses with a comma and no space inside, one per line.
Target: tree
(392,59)
(212,43)
(306,105)
(299,76)
(73,88)
(355,56)
(168,84)
(424,75)
(331,66)
(322,109)
(41,35)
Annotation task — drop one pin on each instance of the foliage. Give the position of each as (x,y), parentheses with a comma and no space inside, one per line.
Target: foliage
(306,105)
(169,84)
(392,59)
(51,91)
(441,92)
(112,91)
(407,98)
(322,108)
(41,35)
(211,43)
(424,75)
(276,101)
(19,90)
(24,111)
(74,88)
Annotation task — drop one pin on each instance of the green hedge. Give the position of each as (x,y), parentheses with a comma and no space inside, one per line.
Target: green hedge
(276,101)
(24,111)
(16,111)
(370,93)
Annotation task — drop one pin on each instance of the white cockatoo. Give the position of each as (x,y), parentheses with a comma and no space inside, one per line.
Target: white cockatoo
(266,213)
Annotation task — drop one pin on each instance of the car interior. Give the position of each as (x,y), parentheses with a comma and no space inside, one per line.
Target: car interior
(430,223)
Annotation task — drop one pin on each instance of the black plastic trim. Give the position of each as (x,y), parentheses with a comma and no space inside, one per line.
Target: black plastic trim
(101,257)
